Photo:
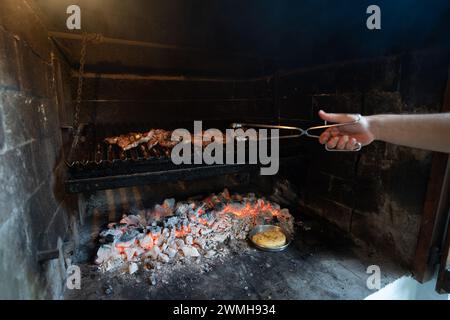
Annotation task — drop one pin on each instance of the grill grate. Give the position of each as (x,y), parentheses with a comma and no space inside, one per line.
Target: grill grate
(92,152)
(96,165)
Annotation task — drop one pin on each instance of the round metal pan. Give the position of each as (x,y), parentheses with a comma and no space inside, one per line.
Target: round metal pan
(262,228)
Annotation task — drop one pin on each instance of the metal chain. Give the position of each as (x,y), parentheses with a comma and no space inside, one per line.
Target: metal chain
(76,117)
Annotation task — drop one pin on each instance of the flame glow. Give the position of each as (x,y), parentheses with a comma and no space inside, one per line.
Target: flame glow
(251,210)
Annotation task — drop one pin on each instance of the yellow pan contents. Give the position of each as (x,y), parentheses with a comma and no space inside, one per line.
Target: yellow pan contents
(271,239)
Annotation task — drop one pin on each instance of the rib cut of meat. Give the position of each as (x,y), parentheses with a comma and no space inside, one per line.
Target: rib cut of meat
(130,140)
(160,137)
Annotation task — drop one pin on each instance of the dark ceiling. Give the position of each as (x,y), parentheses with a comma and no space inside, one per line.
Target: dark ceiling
(246,38)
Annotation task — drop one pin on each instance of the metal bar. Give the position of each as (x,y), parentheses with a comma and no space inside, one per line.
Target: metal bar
(130,76)
(136,43)
(267,126)
(305,132)
(177,100)
(102,39)
(145,178)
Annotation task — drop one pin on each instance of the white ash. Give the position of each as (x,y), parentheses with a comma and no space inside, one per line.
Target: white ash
(133,267)
(193,232)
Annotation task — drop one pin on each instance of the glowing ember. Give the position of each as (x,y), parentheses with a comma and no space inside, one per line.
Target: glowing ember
(173,232)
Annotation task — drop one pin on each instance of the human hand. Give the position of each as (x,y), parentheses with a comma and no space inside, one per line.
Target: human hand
(346,137)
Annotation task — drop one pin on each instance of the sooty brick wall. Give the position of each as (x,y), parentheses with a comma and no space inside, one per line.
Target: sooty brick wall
(378,194)
(160,102)
(34,212)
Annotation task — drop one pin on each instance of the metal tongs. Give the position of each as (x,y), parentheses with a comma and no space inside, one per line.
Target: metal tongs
(305,132)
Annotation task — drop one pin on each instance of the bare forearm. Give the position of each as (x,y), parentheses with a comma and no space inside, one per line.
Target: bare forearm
(430,131)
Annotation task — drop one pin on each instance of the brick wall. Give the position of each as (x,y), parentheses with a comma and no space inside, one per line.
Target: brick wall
(378,194)
(34,211)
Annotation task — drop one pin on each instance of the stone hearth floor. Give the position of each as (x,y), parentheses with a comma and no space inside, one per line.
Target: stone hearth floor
(319,264)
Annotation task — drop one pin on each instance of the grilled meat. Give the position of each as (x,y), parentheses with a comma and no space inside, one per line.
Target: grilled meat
(158,137)
(162,138)
(130,140)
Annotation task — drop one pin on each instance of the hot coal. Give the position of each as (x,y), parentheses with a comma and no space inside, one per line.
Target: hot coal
(189,232)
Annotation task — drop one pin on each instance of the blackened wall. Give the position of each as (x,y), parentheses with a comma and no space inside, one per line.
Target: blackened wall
(34,212)
(376,195)
(286,33)
(163,102)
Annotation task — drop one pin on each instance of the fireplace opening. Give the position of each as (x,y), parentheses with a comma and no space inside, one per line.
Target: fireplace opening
(93,204)
(199,247)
